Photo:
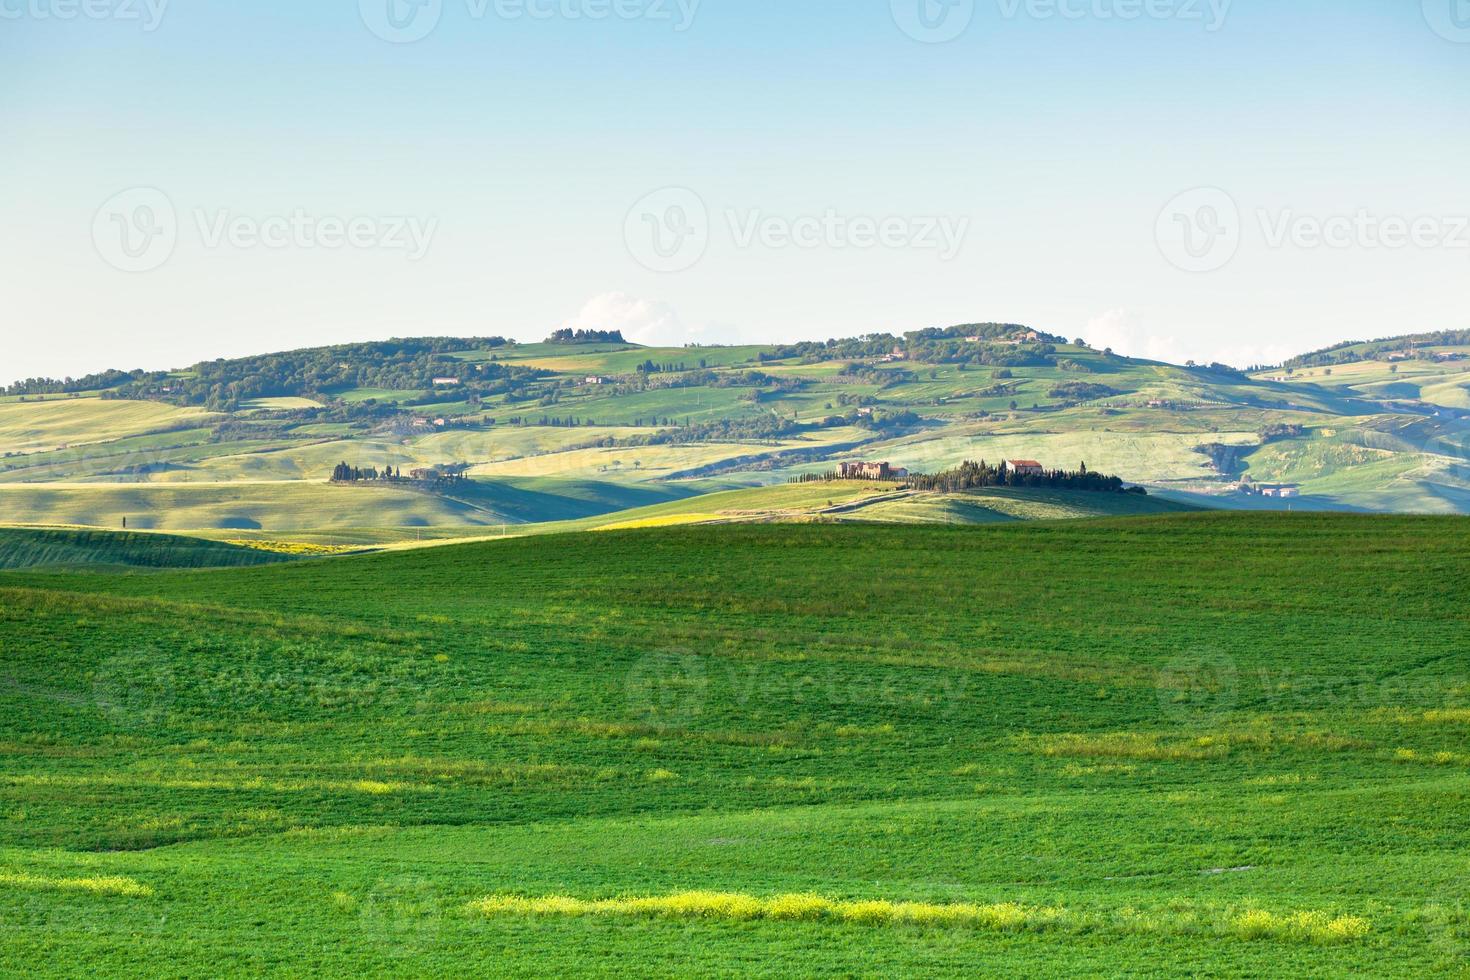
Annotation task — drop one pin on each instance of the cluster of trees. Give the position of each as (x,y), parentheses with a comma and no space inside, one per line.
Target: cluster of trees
(996,346)
(1074,367)
(985,331)
(764,428)
(971,475)
(655,377)
(1082,391)
(935,344)
(570,336)
(816,351)
(1215,367)
(649,367)
(1001,390)
(877,421)
(882,377)
(344,473)
(770,384)
(222,385)
(63,386)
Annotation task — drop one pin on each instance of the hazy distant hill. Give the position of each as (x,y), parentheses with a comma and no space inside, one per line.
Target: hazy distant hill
(567,430)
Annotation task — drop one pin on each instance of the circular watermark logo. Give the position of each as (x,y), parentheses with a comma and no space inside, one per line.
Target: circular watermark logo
(1198,689)
(134,691)
(668,687)
(1199,230)
(1444,447)
(403,913)
(133,466)
(1450,19)
(933,21)
(401,21)
(136,230)
(668,230)
(1447,921)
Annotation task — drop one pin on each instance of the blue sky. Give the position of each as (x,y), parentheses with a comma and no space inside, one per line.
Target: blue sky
(1069,142)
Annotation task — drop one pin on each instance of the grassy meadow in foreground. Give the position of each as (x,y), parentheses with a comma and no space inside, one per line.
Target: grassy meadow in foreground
(1201,744)
(55,549)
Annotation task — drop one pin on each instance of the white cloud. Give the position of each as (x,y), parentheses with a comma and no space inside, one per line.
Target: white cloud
(1250,355)
(642,321)
(1118,330)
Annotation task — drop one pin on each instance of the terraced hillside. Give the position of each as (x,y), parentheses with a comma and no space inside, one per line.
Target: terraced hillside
(1193,744)
(562,431)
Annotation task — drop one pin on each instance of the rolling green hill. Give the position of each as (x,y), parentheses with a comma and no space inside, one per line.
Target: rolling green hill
(249,444)
(1196,743)
(59,549)
(880,503)
(299,506)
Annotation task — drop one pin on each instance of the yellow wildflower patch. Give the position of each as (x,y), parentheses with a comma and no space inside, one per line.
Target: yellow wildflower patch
(96,885)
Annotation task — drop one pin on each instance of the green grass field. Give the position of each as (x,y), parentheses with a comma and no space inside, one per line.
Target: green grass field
(1184,745)
(276,507)
(998,504)
(41,426)
(52,548)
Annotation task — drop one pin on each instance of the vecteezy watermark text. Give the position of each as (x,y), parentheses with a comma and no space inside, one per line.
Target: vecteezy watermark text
(1201,230)
(829,229)
(138,230)
(1364,229)
(938,21)
(299,229)
(671,229)
(1211,14)
(147,13)
(677,687)
(407,21)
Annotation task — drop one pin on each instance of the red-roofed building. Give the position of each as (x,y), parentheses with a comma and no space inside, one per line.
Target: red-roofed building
(1026,467)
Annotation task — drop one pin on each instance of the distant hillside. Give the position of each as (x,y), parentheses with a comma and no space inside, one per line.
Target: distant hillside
(1355,350)
(68,549)
(585,427)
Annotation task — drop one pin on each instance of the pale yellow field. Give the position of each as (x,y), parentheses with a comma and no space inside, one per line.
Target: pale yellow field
(272,507)
(637,463)
(1449,394)
(311,461)
(781,501)
(30,427)
(643,463)
(281,404)
(571,364)
(509,442)
(670,520)
(315,461)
